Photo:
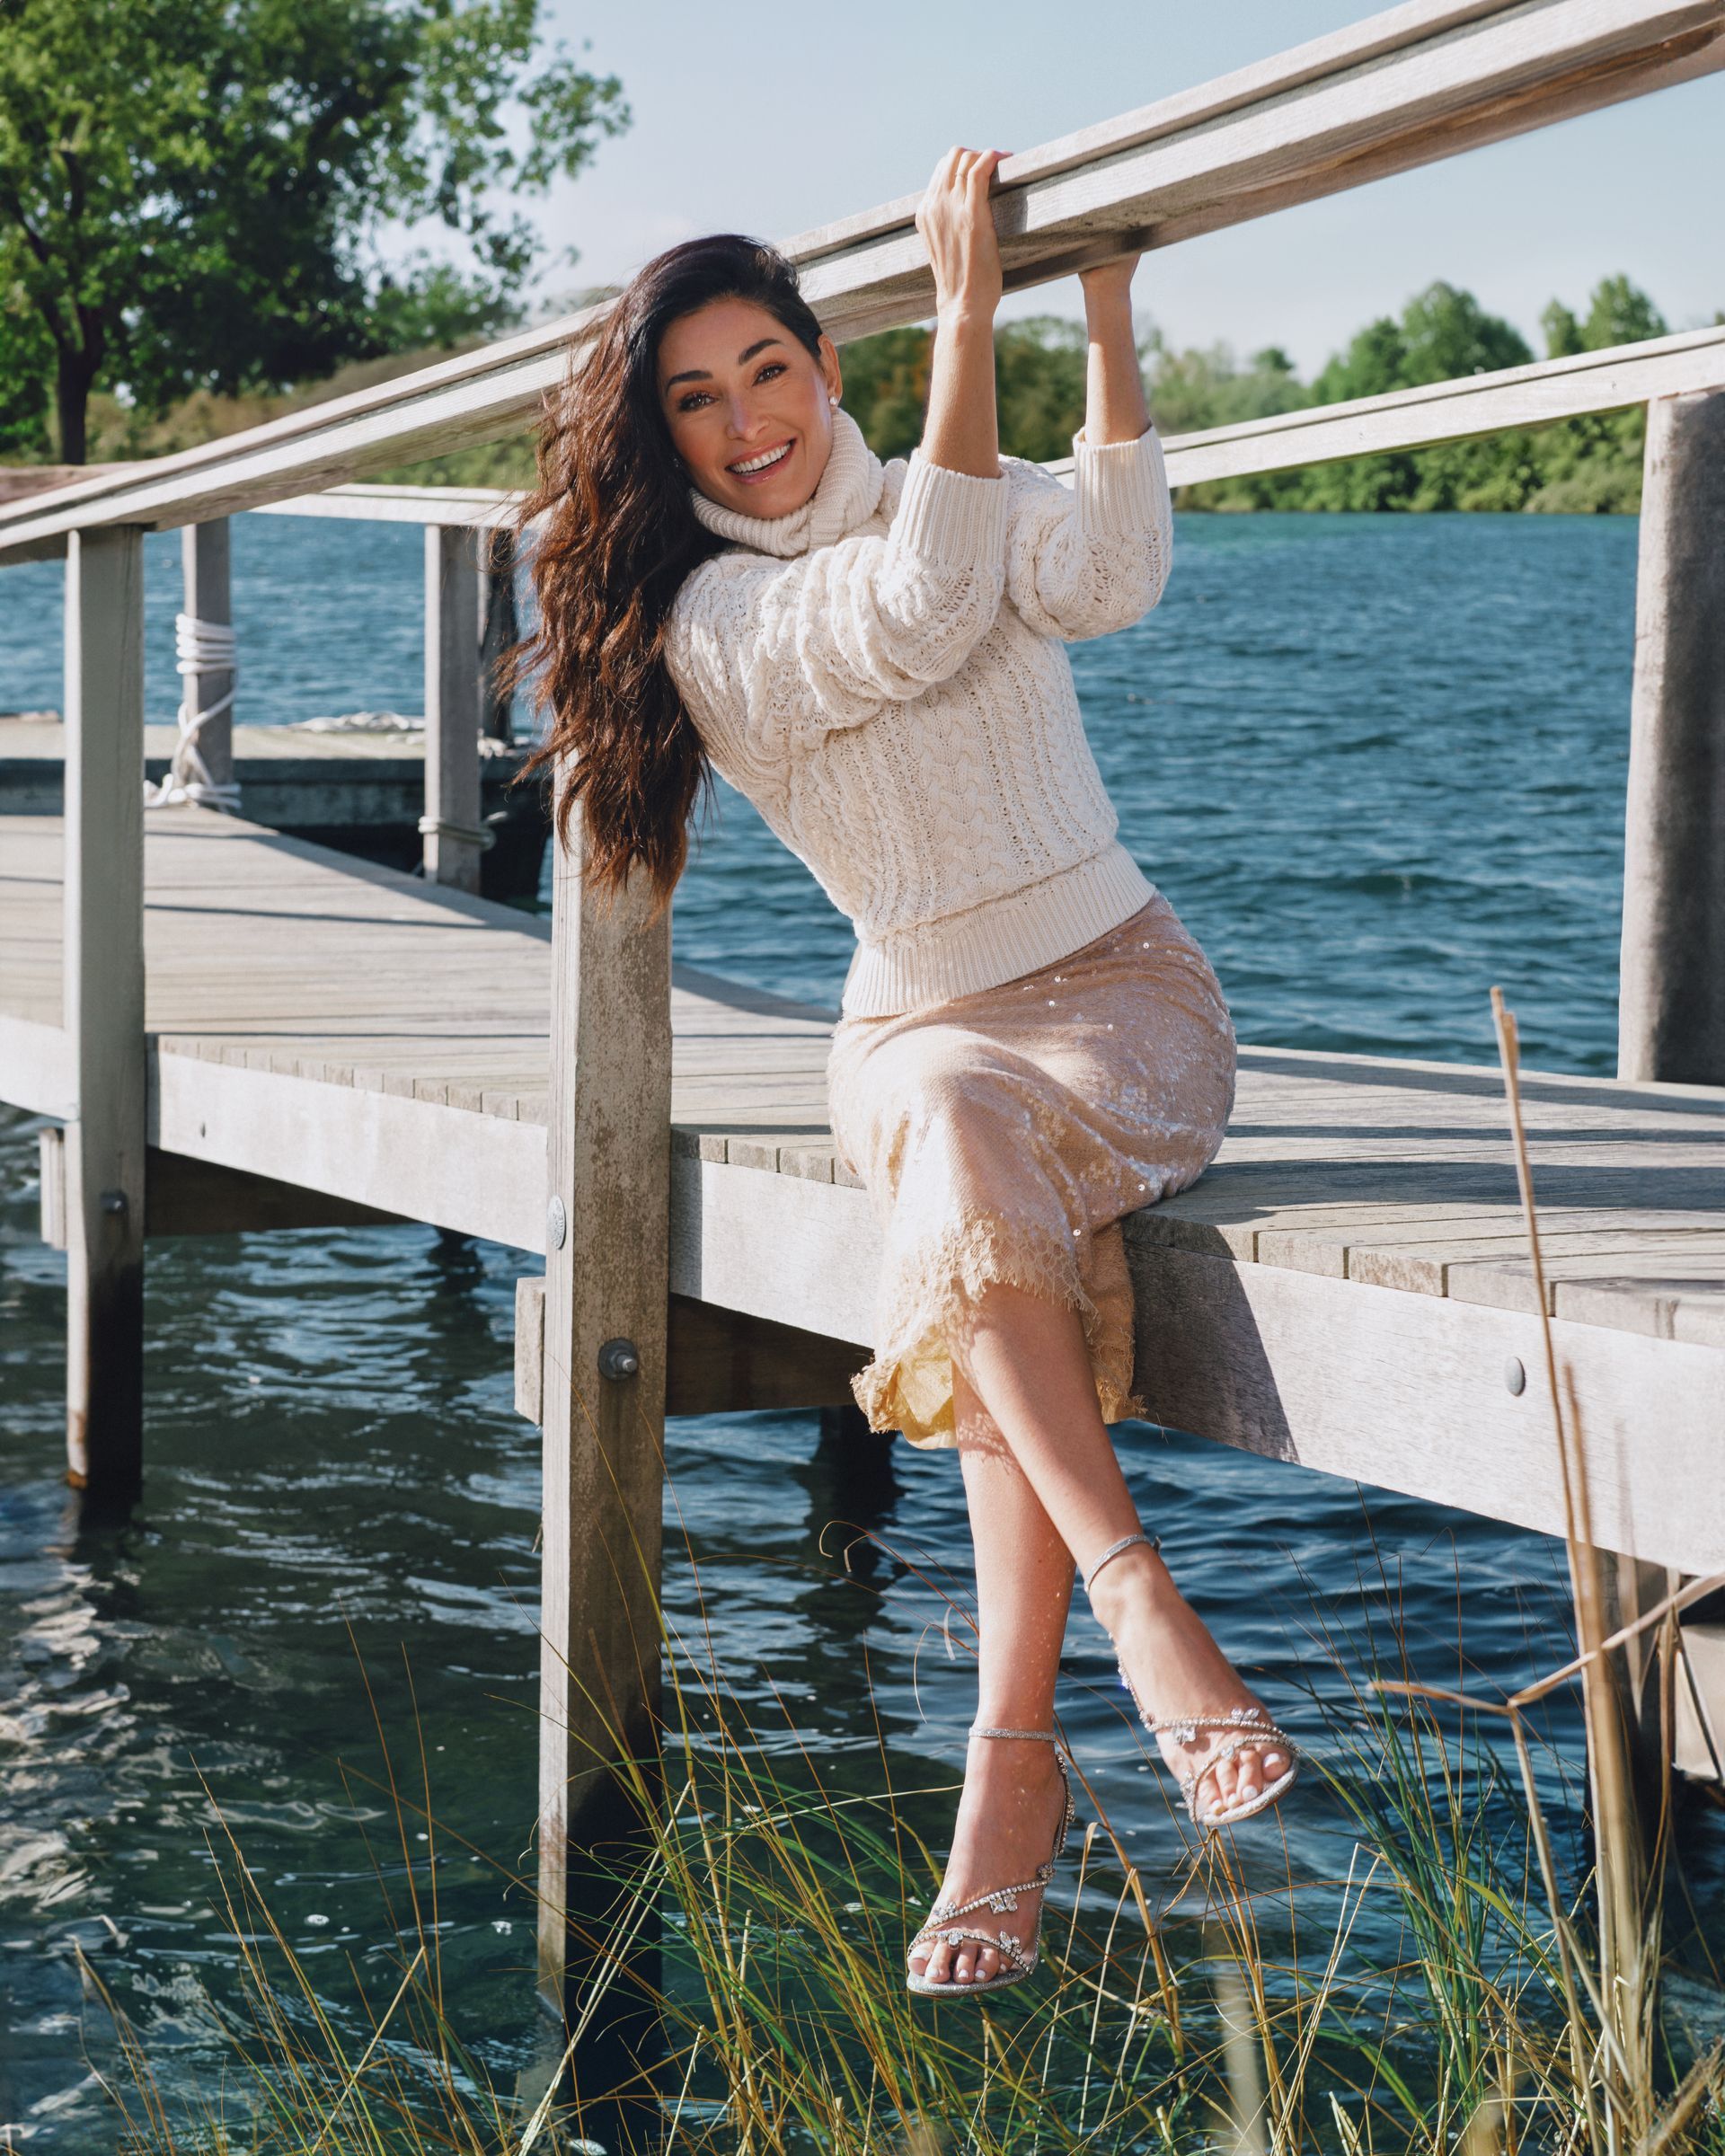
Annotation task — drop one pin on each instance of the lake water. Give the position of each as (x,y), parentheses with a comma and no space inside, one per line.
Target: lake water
(1377,763)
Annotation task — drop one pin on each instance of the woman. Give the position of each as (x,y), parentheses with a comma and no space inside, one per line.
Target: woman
(1031,1045)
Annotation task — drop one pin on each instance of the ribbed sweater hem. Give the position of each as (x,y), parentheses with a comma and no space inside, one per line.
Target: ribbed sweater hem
(1120,486)
(999,940)
(950,517)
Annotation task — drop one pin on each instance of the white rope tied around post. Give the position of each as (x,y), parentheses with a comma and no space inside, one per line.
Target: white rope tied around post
(199,648)
(482,835)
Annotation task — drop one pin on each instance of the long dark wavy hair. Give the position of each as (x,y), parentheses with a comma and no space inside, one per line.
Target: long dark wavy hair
(617,540)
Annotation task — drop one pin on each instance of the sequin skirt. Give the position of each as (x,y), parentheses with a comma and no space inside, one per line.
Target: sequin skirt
(1003,1136)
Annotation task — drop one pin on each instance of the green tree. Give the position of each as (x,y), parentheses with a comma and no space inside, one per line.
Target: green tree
(1206,387)
(1372,366)
(1563,332)
(1446,333)
(1595,463)
(1620,313)
(192,190)
(1441,334)
(26,364)
(886,388)
(1040,386)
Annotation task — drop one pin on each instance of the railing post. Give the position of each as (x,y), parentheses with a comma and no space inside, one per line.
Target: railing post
(606,1284)
(102,988)
(204,556)
(454,836)
(497,631)
(1671,1008)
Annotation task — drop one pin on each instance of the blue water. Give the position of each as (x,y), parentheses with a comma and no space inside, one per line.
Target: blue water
(1376,763)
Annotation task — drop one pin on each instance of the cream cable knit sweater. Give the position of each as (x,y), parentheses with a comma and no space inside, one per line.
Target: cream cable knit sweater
(882,673)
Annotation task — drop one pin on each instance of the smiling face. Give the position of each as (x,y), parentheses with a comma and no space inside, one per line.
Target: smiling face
(750,407)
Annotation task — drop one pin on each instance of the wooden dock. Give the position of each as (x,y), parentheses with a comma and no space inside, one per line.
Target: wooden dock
(361,792)
(390,1041)
(232,1029)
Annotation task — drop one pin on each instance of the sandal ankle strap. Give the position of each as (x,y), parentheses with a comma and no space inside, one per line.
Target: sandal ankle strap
(1040,1737)
(1114,1550)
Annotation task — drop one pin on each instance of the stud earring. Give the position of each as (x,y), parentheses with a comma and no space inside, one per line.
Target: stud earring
(832,400)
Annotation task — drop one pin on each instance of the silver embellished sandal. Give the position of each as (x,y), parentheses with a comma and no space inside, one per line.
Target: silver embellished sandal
(1016,1959)
(1243,1728)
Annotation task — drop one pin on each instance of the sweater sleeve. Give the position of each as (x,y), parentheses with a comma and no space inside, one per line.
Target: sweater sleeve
(1083,561)
(768,654)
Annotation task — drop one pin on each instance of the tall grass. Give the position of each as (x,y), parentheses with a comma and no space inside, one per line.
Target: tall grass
(1212,2009)
(1220,2008)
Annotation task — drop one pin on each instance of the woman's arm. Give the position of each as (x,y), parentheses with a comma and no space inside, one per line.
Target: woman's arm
(960,432)
(1114,406)
(1083,560)
(770,655)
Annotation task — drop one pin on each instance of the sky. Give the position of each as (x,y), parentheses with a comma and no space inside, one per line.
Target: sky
(770,117)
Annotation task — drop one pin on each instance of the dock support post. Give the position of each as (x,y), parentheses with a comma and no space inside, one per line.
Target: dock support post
(1671,1010)
(103,1013)
(497,631)
(606,1286)
(1632,1589)
(206,565)
(454,835)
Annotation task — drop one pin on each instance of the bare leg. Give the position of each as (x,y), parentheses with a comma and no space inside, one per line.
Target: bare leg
(1013,1795)
(1029,1367)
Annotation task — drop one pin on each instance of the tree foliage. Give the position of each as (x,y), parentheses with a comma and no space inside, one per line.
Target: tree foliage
(192,190)
(1442,333)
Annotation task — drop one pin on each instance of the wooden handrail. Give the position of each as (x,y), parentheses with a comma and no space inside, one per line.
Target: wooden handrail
(1450,412)
(1403,88)
(1535,395)
(1397,91)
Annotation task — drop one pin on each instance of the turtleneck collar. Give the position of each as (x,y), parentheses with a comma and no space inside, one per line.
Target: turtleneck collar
(847,495)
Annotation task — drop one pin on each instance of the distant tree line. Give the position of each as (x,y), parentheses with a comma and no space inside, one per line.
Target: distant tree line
(1592,464)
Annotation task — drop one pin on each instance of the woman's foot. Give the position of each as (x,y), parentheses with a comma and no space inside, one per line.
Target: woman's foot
(1009,1821)
(1176,1668)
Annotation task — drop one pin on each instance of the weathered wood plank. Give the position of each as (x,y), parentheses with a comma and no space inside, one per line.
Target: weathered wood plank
(1699,1731)
(1409,1392)
(1539,394)
(479,1175)
(1672,999)
(716,1361)
(196,1197)
(774,1246)
(1422,97)
(454,836)
(1662,1307)
(371,502)
(1296,1365)
(1356,47)
(606,1189)
(1495,1271)
(184,1196)
(206,561)
(103,1012)
(1645,1271)
(38,1068)
(51,1184)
